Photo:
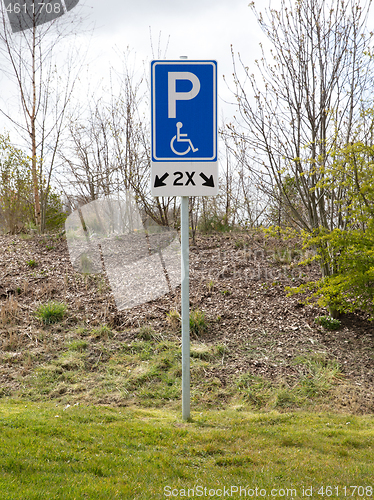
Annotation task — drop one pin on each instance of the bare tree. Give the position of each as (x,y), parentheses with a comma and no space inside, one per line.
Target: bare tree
(304,104)
(109,147)
(89,162)
(44,89)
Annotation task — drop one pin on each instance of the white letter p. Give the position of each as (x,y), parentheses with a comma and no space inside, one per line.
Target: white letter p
(174,96)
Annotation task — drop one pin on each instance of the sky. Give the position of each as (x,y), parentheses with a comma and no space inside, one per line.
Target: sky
(153,29)
(158,29)
(199,29)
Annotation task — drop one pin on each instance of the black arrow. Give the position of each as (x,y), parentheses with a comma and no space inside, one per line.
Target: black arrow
(208,181)
(160,182)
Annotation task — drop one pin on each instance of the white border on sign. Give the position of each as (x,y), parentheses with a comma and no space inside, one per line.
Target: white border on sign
(179,159)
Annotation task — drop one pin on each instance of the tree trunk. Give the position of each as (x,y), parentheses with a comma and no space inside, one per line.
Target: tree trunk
(35,180)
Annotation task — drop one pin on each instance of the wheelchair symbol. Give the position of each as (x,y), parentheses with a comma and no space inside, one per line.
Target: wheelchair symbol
(182,138)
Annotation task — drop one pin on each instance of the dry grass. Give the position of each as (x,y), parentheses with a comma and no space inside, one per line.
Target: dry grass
(174,320)
(251,329)
(10,312)
(12,341)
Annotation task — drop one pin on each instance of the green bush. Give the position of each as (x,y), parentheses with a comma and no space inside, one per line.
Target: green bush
(55,216)
(349,257)
(214,223)
(328,322)
(51,312)
(198,324)
(16,194)
(16,203)
(174,319)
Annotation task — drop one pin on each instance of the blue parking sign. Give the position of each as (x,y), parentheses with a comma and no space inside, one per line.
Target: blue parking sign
(184,127)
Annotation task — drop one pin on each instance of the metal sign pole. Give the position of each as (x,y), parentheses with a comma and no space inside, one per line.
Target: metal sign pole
(184,157)
(185,309)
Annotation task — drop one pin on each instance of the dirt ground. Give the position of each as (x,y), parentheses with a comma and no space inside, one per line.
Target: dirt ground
(237,279)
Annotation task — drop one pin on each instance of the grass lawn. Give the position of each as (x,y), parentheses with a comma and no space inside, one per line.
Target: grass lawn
(50,451)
